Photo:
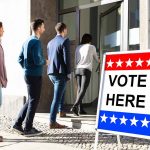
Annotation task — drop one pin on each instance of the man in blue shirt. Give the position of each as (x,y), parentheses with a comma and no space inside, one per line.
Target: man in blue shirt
(31,60)
(58,50)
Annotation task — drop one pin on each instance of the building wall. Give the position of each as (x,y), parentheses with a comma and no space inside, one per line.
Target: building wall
(15,16)
(47,10)
(16,22)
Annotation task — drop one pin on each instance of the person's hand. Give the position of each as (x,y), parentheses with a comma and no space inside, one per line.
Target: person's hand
(69,76)
(47,62)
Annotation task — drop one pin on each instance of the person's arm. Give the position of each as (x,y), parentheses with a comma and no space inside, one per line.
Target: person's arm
(48,60)
(77,56)
(95,55)
(38,54)
(21,58)
(66,55)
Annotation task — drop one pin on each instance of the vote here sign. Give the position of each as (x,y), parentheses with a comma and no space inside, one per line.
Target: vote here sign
(124,98)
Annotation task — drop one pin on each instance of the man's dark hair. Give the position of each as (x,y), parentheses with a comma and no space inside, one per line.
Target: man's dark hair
(36,23)
(60,26)
(1,24)
(86,38)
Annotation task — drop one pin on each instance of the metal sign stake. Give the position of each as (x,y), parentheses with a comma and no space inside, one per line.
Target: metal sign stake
(119,142)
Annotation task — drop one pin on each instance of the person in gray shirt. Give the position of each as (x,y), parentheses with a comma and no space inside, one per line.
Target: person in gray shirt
(3,75)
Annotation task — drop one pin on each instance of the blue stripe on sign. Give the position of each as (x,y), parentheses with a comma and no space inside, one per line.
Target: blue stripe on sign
(124,122)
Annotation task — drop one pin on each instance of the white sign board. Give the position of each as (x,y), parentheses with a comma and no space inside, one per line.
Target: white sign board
(124,97)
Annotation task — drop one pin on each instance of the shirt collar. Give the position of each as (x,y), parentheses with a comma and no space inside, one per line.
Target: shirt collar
(35,36)
(59,35)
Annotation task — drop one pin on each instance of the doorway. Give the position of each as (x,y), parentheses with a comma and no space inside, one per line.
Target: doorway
(104,24)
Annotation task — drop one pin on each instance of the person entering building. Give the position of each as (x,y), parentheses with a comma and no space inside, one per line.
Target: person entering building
(84,55)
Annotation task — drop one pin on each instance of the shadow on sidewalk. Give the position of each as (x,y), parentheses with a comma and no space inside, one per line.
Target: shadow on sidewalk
(75,138)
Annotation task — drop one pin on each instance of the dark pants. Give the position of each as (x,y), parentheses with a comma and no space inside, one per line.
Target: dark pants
(59,82)
(28,111)
(83,79)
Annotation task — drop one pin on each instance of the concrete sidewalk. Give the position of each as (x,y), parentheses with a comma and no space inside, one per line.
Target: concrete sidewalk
(76,122)
(66,139)
(18,142)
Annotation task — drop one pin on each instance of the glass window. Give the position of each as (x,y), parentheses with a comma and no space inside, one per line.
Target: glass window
(110,31)
(70,20)
(89,23)
(134,22)
(64,4)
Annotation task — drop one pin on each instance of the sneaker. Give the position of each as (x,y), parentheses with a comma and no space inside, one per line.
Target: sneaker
(32,132)
(18,129)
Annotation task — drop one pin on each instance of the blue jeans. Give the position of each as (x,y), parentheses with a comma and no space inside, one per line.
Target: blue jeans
(59,82)
(0,95)
(61,103)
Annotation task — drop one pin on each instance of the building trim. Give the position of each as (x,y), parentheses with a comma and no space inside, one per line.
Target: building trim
(94,4)
(124,26)
(144,25)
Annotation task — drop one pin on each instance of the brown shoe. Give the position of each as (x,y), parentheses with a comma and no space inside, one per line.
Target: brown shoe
(62,114)
(1,139)
(56,126)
